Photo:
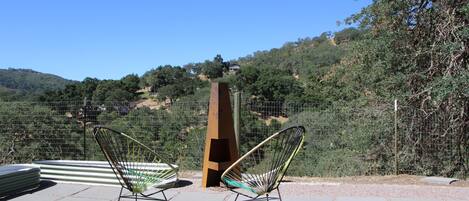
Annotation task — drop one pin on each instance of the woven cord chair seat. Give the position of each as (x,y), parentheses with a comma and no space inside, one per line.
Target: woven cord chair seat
(255,183)
(142,179)
(136,166)
(262,168)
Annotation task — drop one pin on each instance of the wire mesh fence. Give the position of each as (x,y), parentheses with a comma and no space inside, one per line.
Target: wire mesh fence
(32,130)
(63,130)
(340,141)
(432,143)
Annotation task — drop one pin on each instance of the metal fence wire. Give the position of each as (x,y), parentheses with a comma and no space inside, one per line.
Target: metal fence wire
(431,143)
(340,141)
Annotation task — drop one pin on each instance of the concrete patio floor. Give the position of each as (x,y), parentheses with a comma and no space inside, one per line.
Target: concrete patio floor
(190,190)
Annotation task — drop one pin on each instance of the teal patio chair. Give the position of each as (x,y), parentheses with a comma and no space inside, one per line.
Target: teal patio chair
(260,170)
(137,167)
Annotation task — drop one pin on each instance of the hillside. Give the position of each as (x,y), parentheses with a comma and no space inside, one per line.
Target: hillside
(293,72)
(16,83)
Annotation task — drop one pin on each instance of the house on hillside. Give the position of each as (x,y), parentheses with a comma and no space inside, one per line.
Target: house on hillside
(233,69)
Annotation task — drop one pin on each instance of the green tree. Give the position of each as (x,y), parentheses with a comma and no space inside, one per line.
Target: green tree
(112,90)
(246,78)
(271,84)
(184,87)
(170,92)
(347,35)
(88,86)
(163,75)
(131,83)
(417,51)
(215,68)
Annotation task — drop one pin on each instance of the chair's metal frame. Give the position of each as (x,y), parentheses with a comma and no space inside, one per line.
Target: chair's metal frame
(274,185)
(124,182)
(254,198)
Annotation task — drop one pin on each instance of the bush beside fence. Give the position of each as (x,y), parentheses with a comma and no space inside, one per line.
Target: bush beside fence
(340,141)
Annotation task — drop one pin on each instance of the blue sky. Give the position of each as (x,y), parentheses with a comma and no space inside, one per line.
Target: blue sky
(110,39)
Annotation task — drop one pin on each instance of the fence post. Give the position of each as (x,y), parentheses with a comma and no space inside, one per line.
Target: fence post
(396,141)
(236,116)
(84,127)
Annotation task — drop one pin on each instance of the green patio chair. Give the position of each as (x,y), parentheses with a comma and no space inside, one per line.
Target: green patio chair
(137,167)
(260,171)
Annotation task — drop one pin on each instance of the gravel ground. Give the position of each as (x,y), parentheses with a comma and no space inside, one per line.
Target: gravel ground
(389,179)
(382,188)
(376,188)
(389,188)
(403,179)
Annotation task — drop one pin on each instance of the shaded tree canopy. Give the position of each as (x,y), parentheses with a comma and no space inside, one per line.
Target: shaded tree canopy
(97,90)
(268,83)
(163,75)
(131,83)
(215,68)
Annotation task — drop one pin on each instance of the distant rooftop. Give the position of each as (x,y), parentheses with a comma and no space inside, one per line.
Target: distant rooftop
(234,67)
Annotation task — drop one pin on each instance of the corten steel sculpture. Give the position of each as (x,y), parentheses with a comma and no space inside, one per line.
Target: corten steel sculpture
(136,166)
(261,170)
(220,142)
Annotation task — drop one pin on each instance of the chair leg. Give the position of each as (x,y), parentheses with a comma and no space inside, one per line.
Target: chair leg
(267,196)
(279,196)
(120,194)
(135,197)
(236,196)
(164,196)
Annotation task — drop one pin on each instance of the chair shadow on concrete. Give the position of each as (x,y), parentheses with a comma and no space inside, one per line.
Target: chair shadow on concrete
(182,183)
(44,184)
